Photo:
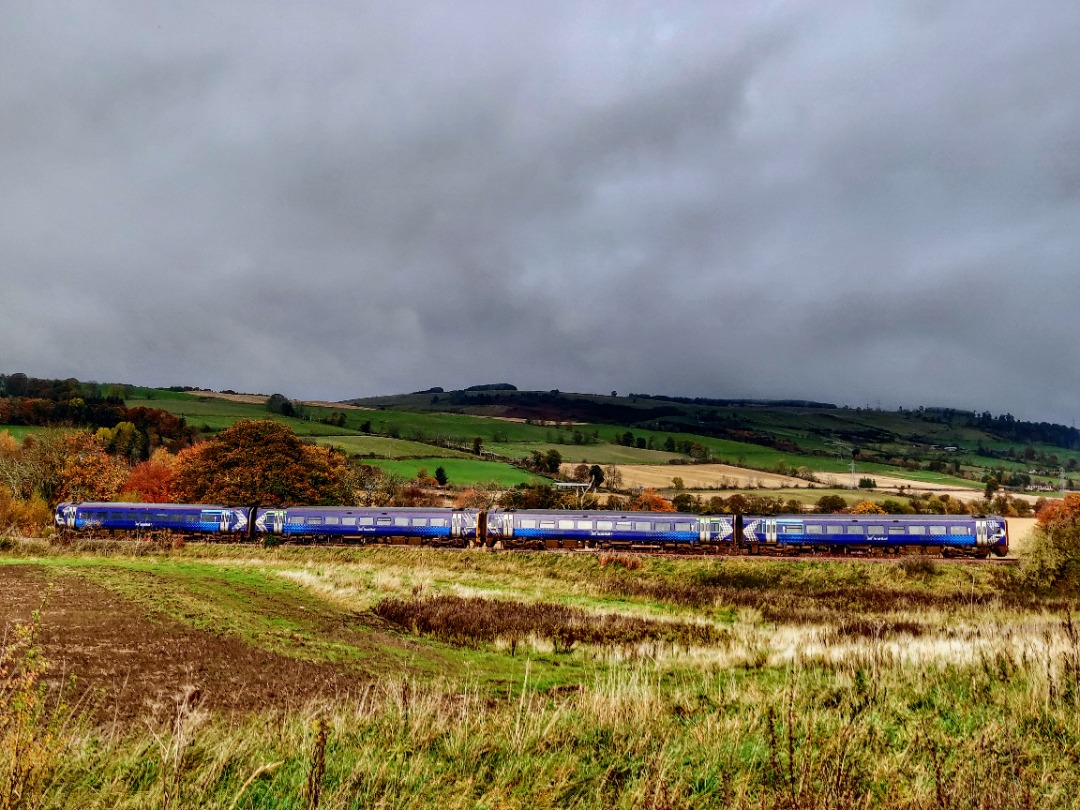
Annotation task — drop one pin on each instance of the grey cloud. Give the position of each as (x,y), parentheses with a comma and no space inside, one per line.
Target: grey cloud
(855,203)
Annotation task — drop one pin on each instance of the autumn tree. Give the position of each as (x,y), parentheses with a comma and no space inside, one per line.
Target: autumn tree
(649,500)
(88,472)
(153,480)
(867,508)
(262,462)
(1053,552)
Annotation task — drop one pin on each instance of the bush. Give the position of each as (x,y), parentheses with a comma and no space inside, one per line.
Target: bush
(25,518)
(1053,555)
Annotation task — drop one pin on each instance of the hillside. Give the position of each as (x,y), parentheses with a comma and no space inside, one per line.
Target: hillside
(782,436)
(504,436)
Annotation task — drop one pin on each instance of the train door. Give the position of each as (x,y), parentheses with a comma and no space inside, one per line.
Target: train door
(982,534)
(463,525)
(770,530)
(272,521)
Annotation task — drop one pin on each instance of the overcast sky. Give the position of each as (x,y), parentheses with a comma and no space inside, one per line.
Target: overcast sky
(864,203)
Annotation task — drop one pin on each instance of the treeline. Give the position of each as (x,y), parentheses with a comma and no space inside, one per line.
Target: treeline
(1009,427)
(729,403)
(133,432)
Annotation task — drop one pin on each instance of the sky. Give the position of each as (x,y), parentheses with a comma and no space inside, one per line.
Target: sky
(860,203)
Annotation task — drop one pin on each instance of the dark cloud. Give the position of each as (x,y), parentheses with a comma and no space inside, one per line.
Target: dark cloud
(863,204)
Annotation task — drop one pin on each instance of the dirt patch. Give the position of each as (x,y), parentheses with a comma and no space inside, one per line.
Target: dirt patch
(136,666)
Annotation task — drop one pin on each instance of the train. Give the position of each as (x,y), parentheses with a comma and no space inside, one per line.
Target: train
(948,535)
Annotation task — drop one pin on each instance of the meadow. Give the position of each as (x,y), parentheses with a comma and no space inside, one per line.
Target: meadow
(298,677)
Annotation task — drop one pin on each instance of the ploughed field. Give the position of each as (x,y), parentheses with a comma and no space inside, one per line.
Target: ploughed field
(228,676)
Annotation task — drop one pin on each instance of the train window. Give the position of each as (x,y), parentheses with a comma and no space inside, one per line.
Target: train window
(210,517)
(662,527)
(916,530)
(314,521)
(383,521)
(584,524)
(623,526)
(528,523)
(419,522)
(896,530)
(855,530)
(937,530)
(547,524)
(401,521)
(814,528)
(190,518)
(566,524)
(641,526)
(333,520)
(348,521)
(875,529)
(684,527)
(959,530)
(438,521)
(604,525)
(296,520)
(366,521)
(791,528)
(114,516)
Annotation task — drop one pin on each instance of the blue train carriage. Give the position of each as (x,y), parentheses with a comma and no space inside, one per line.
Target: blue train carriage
(410,526)
(552,528)
(177,518)
(976,535)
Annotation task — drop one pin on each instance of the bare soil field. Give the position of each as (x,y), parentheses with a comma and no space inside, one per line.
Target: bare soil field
(133,665)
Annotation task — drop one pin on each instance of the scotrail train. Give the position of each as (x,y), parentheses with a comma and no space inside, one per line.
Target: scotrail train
(968,535)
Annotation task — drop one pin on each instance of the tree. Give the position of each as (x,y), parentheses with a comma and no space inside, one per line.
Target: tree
(1053,553)
(831,503)
(867,508)
(613,476)
(88,472)
(581,473)
(552,461)
(596,475)
(649,500)
(262,462)
(440,476)
(152,481)
(278,403)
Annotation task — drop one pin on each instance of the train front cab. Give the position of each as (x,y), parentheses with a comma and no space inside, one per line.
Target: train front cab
(873,534)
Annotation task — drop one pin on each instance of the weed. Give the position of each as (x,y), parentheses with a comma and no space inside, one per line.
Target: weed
(34,724)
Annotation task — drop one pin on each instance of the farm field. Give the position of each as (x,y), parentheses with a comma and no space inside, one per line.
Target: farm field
(380,446)
(460,471)
(233,676)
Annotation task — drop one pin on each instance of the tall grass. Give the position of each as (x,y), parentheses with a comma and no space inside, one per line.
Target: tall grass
(867,732)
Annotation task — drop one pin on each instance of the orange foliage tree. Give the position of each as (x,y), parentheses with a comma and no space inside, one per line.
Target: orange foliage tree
(88,472)
(649,500)
(1063,512)
(153,480)
(262,462)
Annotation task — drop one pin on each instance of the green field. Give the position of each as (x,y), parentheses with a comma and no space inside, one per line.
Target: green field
(382,447)
(417,678)
(461,471)
(20,432)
